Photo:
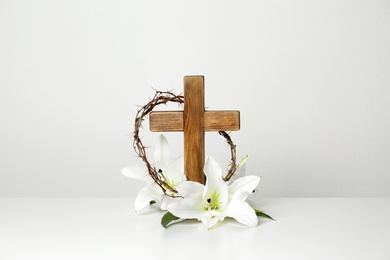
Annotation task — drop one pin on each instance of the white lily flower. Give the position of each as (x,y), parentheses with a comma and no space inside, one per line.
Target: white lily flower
(216,200)
(171,169)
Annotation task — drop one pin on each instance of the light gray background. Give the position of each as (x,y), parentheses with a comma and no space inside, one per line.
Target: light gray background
(311,79)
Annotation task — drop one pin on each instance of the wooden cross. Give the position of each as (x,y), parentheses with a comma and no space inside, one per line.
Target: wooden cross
(194,121)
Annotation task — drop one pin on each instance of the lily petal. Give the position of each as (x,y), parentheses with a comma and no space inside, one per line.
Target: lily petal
(175,170)
(162,154)
(138,172)
(242,212)
(166,200)
(145,195)
(189,188)
(241,188)
(215,185)
(209,222)
(188,208)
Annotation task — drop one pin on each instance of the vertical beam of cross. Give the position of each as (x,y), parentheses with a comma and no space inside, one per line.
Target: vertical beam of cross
(193,123)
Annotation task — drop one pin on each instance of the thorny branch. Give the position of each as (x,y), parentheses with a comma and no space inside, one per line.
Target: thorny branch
(233,165)
(159,98)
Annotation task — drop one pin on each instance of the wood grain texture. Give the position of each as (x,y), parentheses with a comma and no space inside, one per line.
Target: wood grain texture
(172,121)
(193,122)
(222,121)
(169,121)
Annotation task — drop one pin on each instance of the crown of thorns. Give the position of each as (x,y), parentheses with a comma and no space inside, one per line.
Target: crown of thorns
(160,98)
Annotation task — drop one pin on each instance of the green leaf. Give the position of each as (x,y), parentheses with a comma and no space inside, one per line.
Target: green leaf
(167,219)
(152,202)
(260,213)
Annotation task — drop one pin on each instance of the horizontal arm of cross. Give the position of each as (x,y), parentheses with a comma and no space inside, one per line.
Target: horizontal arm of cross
(172,121)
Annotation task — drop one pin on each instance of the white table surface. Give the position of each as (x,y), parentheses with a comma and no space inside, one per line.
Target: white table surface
(109,229)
